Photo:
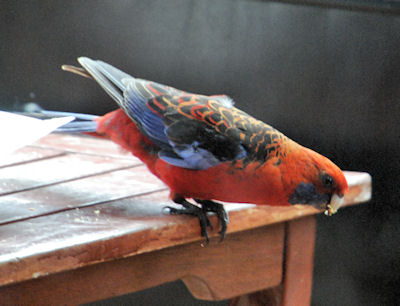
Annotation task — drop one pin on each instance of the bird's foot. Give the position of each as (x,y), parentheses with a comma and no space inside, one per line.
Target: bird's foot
(194,210)
(201,214)
(219,210)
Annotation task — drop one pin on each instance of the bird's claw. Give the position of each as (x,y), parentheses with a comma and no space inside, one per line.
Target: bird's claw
(201,214)
(194,211)
(219,210)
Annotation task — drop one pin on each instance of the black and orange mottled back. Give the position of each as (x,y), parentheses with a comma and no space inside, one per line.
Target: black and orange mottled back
(192,131)
(260,140)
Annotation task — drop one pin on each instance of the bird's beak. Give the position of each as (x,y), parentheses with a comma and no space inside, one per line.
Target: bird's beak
(333,206)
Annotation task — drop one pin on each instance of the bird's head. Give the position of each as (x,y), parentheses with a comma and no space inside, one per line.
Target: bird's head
(319,182)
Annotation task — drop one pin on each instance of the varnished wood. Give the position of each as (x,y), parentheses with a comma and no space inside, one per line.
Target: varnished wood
(209,272)
(29,154)
(56,170)
(78,208)
(299,257)
(87,191)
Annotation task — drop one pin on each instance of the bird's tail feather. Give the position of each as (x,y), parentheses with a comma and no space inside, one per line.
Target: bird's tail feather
(108,77)
(114,82)
(83,123)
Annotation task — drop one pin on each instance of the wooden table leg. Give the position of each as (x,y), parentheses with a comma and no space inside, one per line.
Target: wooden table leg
(298,269)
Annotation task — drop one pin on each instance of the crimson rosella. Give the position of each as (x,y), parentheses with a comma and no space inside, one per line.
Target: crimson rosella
(204,148)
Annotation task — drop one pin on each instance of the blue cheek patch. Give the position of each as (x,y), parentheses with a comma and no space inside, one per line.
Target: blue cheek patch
(306,193)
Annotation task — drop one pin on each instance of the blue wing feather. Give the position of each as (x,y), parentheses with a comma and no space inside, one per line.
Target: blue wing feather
(189,157)
(135,104)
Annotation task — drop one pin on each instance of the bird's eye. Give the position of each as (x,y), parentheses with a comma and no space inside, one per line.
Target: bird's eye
(327,180)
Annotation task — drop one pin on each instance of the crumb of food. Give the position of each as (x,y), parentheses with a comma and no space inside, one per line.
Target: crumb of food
(31,208)
(97,212)
(330,210)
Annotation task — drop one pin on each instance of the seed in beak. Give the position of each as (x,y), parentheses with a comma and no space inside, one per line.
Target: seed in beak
(333,206)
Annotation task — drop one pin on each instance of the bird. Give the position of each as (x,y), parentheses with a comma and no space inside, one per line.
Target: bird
(206,150)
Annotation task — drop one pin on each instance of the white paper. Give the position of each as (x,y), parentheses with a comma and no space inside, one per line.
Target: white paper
(17,131)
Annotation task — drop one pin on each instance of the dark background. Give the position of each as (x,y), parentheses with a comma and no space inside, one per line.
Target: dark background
(326,77)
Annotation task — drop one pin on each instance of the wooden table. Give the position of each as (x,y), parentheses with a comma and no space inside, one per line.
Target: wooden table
(81,220)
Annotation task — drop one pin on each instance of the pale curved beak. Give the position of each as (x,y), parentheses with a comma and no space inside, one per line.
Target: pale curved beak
(333,206)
